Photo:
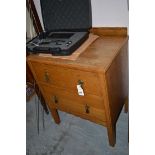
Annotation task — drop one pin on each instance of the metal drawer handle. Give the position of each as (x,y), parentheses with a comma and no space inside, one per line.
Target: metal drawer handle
(87,109)
(46,77)
(55,99)
(80,82)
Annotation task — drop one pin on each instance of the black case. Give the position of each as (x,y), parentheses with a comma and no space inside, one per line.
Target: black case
(64,16)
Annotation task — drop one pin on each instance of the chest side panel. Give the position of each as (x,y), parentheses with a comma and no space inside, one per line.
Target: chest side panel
(117,82)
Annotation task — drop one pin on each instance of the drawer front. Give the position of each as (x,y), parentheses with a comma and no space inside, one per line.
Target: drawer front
(67,78)
(88,107)
(92,100)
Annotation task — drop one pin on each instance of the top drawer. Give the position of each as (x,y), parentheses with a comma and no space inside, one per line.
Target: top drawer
(67,78)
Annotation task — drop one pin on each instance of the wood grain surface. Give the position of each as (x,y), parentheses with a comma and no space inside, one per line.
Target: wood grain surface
(103,68)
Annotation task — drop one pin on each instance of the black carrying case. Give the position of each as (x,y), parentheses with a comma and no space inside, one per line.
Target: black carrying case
(63,16)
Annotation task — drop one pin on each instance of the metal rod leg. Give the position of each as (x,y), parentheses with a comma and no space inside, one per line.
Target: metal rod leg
(38,118)
(43,118)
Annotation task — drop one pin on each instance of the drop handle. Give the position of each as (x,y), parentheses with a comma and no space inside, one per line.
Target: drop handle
(81,83)
(87,109)
(46,76)
(55,99)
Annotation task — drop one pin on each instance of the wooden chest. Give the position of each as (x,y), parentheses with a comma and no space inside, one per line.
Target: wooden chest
(101,71)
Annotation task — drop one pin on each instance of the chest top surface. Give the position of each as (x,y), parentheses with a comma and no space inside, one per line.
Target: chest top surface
(98,56)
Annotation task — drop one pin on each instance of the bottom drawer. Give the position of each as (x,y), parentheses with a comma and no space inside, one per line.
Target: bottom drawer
(79,109)
(73,106)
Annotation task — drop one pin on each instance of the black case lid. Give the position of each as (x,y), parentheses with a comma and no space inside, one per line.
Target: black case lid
(61,15)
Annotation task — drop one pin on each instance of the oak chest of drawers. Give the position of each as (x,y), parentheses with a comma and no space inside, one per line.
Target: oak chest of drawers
(101,71)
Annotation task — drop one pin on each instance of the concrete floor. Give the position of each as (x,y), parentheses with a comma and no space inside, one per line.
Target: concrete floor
(74,136)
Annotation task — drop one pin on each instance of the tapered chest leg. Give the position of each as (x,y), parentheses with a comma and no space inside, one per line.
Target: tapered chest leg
(126,105)
(111,129)
(55,116)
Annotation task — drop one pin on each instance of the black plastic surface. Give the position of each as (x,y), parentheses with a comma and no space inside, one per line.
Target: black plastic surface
(57,47)
(61,15)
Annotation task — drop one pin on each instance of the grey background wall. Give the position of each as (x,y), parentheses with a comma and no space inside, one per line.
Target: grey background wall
(105,13)
(110,13)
